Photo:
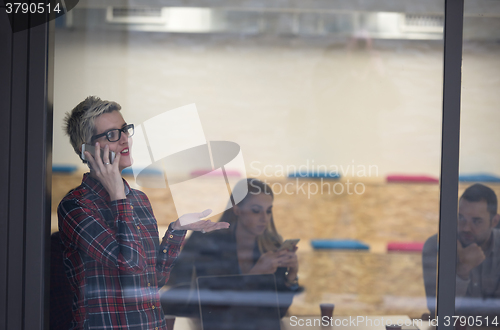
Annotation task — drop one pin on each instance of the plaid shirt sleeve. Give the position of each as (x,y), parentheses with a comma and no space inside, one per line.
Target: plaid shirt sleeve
(169,250)
(112,242)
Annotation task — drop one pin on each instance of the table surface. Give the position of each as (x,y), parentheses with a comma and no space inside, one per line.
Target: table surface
(339,323)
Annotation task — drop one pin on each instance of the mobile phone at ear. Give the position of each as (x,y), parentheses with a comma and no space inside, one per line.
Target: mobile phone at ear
(91,149)
(289,244)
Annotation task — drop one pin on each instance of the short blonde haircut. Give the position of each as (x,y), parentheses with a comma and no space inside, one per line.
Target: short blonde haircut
(79,124)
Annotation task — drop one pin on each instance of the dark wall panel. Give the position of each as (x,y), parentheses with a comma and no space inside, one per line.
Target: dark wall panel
(17,182)
(26,135)
(39,136)
(5,99)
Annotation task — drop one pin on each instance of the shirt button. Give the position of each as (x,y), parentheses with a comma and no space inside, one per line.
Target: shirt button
(149,284)
(138,227)
(131,207)
(156,328)
(153,307)
(171,236)
(164,250)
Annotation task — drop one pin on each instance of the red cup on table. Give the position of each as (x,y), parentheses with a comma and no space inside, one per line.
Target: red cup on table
(327,310)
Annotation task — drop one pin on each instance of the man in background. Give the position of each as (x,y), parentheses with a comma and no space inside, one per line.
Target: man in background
(478,256)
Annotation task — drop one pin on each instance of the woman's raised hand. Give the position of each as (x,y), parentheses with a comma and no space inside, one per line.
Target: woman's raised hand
(108,174)
(192,221)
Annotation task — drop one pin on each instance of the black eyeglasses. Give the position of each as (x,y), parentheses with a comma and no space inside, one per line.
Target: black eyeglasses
(114,135)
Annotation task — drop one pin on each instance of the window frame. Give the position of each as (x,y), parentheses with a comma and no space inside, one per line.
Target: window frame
(26,69)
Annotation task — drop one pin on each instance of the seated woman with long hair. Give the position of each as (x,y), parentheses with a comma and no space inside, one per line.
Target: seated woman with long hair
(249,246)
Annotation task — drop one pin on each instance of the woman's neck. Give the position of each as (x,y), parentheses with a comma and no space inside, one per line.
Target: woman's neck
(245,244)
(244,239)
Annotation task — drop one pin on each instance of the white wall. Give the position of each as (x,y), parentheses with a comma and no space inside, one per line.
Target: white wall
(289,101)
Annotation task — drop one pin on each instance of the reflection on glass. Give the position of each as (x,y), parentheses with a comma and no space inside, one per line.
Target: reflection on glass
(336,110)
(478,249)
(477,255)
(252,246)
(478,252)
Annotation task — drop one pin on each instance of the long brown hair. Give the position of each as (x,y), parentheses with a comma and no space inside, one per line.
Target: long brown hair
(270,240)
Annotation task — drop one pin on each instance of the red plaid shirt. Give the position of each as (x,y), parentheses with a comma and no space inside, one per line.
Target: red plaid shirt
(113,258)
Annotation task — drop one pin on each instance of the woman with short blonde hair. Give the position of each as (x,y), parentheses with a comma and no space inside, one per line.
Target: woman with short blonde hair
(113,257)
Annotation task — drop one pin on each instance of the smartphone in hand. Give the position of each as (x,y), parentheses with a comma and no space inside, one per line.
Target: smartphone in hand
(289,244)
(91,149)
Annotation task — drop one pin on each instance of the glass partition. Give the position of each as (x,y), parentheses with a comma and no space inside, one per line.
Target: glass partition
(336,110)
(477,289)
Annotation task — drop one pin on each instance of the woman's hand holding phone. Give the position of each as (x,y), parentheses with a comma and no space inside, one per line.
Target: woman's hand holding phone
(108,174)
(292,263)
(269,262)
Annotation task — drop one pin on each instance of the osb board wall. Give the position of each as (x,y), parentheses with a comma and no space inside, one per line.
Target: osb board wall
(359,283)
(384,212)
